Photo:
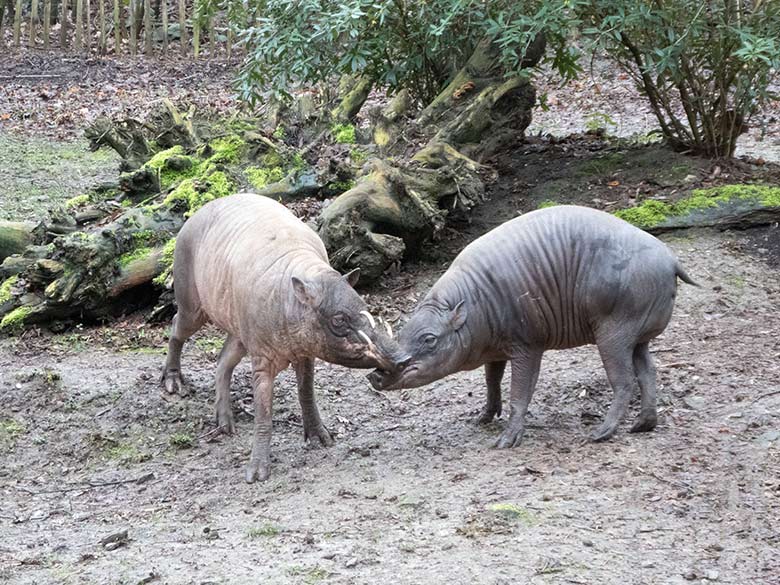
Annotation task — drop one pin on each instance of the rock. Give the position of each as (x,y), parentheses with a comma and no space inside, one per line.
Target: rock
(712,575)
(114,541)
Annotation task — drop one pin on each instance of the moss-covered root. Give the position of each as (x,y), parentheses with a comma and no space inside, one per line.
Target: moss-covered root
(725,206)
(353,100)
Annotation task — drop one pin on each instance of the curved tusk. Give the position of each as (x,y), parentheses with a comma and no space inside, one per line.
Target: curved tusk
(370,318)
(388,328)
(367,338)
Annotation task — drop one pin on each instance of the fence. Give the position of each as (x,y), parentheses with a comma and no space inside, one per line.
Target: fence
(116,26)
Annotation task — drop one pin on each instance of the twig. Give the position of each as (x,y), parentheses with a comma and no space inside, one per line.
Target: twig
(673,482)
(765,395)
(31,76)
(393,428)
(92,485)
(675,365)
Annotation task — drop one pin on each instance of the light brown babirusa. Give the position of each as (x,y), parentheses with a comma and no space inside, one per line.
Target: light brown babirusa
(551,279)
(248,265)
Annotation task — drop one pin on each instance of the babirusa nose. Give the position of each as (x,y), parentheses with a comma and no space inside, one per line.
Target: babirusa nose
(403,362)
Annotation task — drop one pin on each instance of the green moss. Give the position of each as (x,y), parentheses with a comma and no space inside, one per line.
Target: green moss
(195,193)
(266,530)
(547,203)
(182,440)
(647,215)
(298,162)
(166,259)
(358,156)
(226,150)
(10,430)
(173,165)
(127,453)
(512,511)
(14,320)
(145,237)
(130,257)
(77,201)
(342,186)
(651,213)
(260,177)
(5,288)
(272,159)
(210,344)
(344,133)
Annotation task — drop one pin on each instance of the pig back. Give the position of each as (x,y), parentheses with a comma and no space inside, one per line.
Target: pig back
(243,251)
(551,276)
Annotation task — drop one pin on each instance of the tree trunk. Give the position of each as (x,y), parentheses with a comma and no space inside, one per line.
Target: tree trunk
(395,207)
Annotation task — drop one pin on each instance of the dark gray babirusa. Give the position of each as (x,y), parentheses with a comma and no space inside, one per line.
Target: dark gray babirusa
(251,267)
(551,279)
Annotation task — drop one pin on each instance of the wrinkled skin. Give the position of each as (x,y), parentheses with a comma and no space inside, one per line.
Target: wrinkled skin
(552,279)
(248,265)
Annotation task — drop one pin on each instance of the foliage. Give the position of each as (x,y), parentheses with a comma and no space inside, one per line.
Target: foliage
(704,66)
(599,122)
(398,44)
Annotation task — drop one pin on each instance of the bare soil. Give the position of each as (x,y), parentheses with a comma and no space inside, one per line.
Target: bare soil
(103,480)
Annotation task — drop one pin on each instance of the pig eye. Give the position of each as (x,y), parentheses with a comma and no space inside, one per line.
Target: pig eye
(338,321)
(429,340)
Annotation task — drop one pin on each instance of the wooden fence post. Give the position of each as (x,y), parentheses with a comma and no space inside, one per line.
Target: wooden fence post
(212,37)
(33,23)
(133,29)
(46,23)
(195,30)
(165,26)
(79,25)
(3,18)
(88,25)
(229,47)
(64,25)
(148,28)
(117,29)
(183,27)
(102,16)
(17,23)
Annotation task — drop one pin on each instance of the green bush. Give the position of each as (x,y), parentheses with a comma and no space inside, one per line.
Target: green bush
(703,66)
(397,44)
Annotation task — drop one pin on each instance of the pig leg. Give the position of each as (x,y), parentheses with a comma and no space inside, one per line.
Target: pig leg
(263,375)
(184,325)
(645,373)
(494,372)
(232,353)
(312,424)
(525,373)
(618,362)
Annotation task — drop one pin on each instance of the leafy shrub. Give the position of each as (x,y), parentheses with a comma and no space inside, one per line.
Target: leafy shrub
(703,66)
(398,44)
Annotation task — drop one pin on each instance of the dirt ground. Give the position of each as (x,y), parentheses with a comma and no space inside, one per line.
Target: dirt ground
(104,481)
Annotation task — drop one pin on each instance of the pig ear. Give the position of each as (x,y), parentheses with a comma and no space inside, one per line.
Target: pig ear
(304,292)
(352,276)
(458,315)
